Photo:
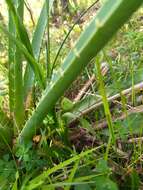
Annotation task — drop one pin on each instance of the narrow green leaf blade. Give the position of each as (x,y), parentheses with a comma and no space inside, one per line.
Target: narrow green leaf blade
(18,78)
(20,29)
(35,66)
(23,35)
(39,180)
(36,46)
(11,49)
(40,29)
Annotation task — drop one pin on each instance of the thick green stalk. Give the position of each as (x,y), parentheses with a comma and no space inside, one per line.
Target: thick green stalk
(18,79)
(110,18)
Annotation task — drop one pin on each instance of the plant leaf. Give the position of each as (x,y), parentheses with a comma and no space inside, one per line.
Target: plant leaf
(36,46)
(28,56)
(39,180)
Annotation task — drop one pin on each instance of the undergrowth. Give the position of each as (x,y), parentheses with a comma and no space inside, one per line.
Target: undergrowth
(107,118)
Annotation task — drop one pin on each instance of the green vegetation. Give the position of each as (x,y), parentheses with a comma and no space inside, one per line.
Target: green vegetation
(71,113)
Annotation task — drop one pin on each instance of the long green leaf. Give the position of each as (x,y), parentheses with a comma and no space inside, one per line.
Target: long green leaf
(110,18)
(36,46)
(20,29)
(18,78)
(23,35)
(11,50)
(40,29)
(33,63)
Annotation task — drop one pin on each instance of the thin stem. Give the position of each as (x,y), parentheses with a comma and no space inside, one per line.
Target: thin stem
(48,64)
(30,12)
(70,30)
(11,49)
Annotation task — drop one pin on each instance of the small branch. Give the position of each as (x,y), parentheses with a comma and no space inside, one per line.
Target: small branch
(103,124)
(84,89)
(120,103)
(30,12)
(104,70)
(135,140)
(136,87)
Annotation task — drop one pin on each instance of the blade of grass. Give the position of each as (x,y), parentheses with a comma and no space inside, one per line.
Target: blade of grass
(40,29)
(72,174)
(39,180)
(11,50)
(20,29)
(30,12)
(106,106)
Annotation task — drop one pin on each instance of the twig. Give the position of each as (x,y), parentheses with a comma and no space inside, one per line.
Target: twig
(103,124)
(30,12)
(84,89)
(120,103)
(135,140)
(136,87)
(104,70)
